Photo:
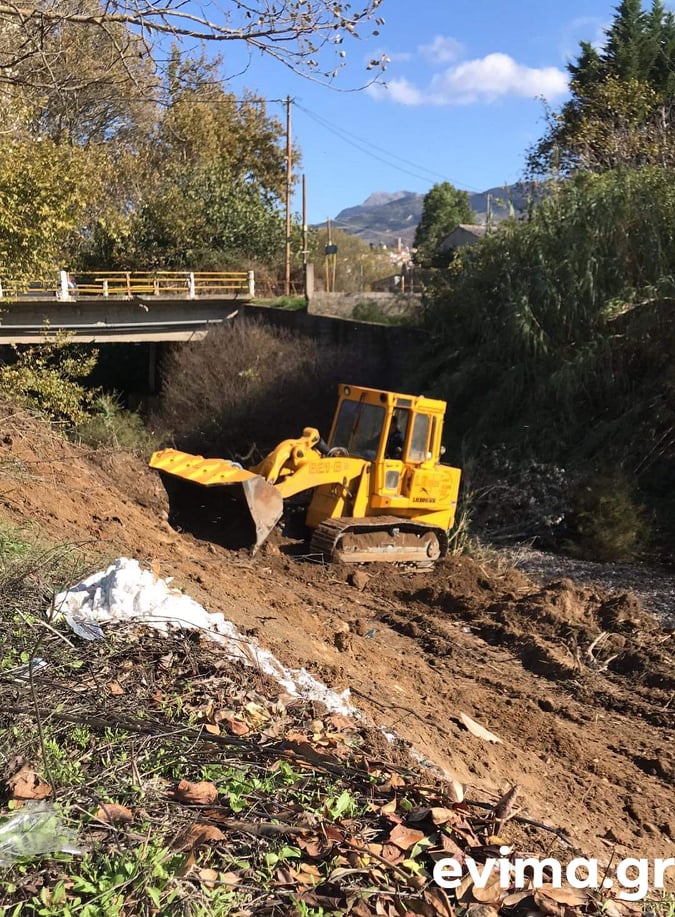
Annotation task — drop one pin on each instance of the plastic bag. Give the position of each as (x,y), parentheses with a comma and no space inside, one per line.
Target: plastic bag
(36,829)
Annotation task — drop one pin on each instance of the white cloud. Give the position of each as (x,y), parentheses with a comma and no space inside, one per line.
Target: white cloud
(484,79)
(489,78)
(442,50)
(400,91)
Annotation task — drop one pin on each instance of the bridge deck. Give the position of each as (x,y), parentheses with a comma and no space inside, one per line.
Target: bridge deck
(152,319)
(124,306)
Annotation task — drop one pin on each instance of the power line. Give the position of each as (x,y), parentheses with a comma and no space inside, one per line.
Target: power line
(357,142)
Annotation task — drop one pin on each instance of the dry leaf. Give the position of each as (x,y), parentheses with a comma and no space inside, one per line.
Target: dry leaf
(391,853)
(312,846)
(392,783)
(548,906)
(463,890)
(439,901)
(441,816)
(309,873)
(514,898)
(340,722)
(229,878)
(203,793)
(504,805)
(257,713)
(207,877)
(307,752)
(571,896)
(115,688)
(491,893)
(614,908)
(28,784)
(333,833)
(479,731)
(481,910)
(405,838)
(186,866)
(457,790)
(198,835)
(212,728)
(449,845)
(388,808)
(112,813)
(236,726)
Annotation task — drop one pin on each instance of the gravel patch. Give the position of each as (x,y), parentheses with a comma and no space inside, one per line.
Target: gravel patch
(654,586)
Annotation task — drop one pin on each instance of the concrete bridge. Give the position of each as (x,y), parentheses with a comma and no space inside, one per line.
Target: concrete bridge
(124,306)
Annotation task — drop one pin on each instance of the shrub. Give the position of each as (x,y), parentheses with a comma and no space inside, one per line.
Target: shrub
(249,383)
(370,311)
(607,521)
(47,377)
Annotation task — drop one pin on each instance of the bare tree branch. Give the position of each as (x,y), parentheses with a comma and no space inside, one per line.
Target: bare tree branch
(296,33)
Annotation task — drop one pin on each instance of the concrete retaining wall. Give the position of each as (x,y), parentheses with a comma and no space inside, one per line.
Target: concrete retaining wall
(389,349)
(342,305)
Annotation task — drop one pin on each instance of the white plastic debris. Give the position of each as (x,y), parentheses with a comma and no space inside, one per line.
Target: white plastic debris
(24,673)
(36,829)
(126,593)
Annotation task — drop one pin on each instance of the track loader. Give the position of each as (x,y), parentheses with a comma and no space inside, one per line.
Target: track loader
(376,490)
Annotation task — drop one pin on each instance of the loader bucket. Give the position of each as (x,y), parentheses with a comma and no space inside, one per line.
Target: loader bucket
(217,500)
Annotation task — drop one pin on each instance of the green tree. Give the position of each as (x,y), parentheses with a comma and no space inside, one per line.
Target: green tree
(620,99)
(210,220)
(44,191)
(50,379)
(624,53)
(444,208)
(209,181)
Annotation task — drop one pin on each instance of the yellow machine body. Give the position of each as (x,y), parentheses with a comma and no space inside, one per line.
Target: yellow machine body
(371,470)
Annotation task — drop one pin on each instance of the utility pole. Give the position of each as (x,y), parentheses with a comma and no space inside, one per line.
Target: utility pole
(326,256)
(304,235)
(289,182)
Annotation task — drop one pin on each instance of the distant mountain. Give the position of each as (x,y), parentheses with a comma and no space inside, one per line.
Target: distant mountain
(385,217)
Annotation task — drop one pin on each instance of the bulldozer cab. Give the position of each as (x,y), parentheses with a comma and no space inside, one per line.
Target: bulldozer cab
(379,426)
(400,437)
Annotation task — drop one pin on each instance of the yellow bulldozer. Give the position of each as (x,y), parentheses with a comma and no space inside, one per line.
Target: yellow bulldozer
(376,490)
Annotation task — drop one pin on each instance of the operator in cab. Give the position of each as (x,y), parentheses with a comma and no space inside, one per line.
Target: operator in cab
(394,449)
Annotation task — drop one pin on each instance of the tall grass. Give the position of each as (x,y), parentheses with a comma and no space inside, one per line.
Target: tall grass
(563,318)
(556,334)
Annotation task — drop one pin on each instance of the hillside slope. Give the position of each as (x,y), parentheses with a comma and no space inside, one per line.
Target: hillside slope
(386,217)
(584,720)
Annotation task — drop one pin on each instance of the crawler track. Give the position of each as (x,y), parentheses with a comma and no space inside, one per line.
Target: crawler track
(380,539)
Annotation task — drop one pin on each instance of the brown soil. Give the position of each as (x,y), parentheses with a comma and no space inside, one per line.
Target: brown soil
(578,685)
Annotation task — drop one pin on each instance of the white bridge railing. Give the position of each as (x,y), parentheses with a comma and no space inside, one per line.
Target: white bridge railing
(133,284)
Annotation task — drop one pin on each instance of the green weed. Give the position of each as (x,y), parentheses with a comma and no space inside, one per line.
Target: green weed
(110,425)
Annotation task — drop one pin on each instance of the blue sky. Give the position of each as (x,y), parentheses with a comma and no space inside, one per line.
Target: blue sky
(462,101)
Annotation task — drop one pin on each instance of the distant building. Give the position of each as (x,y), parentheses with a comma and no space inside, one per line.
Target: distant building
(464,234)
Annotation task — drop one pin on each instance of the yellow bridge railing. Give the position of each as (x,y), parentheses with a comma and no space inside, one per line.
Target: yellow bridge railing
(131,284)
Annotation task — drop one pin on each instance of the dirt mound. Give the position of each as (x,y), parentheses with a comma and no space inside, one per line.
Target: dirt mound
(577,684)
(560,631)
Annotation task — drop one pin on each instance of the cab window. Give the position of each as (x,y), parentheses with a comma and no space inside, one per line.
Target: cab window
(417,451)
(358,428)
(398,431)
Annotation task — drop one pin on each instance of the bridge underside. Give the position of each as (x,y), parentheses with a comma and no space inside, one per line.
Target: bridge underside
(27,320)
